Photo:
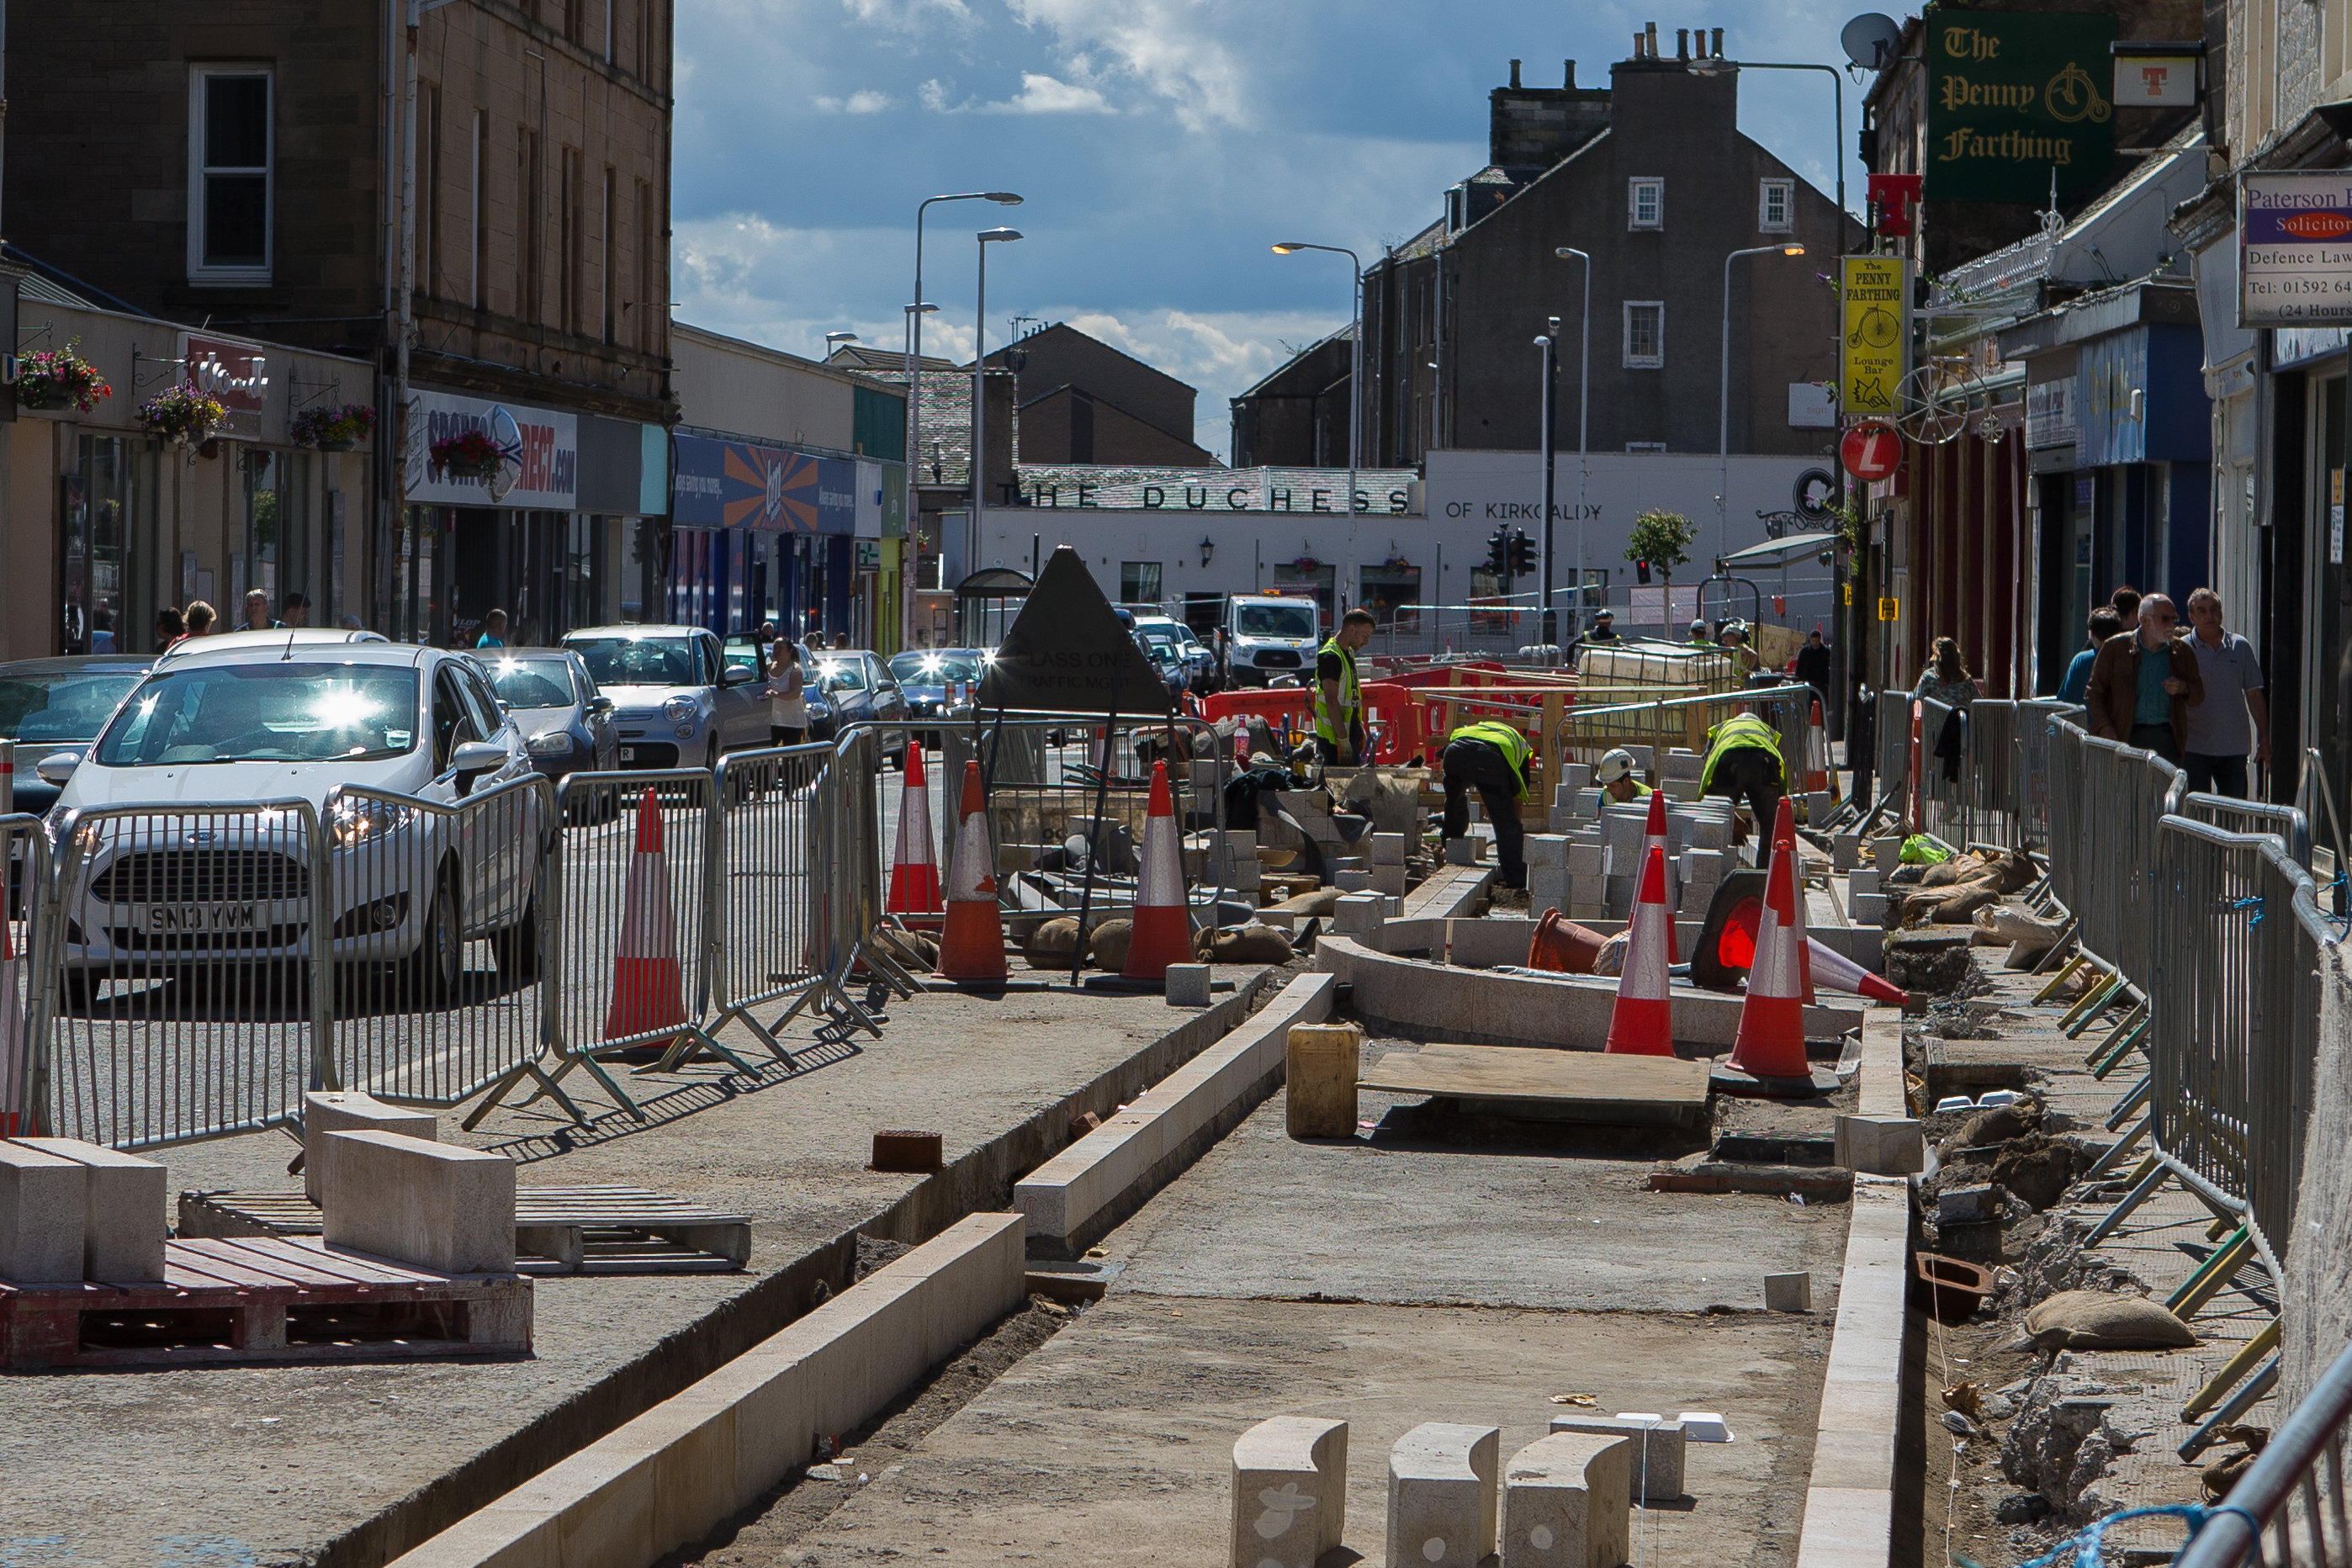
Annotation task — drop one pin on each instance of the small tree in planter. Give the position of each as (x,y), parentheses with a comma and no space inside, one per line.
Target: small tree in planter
(56,378)
(469,455)
(332,429)
(1663,539)
(184,415)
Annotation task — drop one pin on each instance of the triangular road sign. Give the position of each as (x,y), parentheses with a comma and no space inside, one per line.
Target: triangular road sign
(1067,652)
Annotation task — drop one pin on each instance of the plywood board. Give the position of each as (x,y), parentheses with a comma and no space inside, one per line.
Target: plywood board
(1582,1086)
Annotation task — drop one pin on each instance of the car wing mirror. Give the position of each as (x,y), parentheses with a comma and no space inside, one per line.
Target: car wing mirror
(58,767)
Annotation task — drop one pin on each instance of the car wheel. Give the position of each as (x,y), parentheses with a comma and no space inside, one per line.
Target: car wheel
(518,945)
(440,955)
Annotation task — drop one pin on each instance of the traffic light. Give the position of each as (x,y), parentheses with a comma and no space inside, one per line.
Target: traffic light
(1641,572)
(1523,553)
(1498,553)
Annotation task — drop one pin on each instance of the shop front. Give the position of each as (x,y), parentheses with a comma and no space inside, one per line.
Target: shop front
(766,533)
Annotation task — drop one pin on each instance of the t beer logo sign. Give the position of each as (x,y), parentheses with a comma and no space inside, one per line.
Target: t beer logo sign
(1872,451)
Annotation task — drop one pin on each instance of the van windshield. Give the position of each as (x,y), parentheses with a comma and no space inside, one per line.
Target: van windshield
(1276,621)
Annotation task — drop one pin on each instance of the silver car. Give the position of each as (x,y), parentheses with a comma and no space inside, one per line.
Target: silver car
(566,722)
(677,702)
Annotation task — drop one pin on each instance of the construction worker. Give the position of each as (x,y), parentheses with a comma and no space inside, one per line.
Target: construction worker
(1339,696)
(1615,777)
(1699,635)
(1743,762)
(1494,757)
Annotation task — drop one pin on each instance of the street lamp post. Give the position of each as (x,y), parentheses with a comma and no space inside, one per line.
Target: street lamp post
(918,309)
(1714,65)
(1583,431)
(1548,623)
(979,384)
(1355,379)
(1723,428)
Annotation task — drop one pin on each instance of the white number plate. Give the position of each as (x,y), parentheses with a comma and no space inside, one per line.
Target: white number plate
(203,916)
(628,753)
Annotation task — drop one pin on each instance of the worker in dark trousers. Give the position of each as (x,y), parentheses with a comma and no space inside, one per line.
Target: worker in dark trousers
(1493,758)
(1743,762)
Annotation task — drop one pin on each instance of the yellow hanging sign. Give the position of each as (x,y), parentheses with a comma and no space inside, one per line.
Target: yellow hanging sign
(1888,608)
(1874,332)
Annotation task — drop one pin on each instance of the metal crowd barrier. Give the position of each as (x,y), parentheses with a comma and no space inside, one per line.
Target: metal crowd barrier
(773,895)
(2287,1510)
(24,853)
(1892,733)
(2288,823)
(2036,722)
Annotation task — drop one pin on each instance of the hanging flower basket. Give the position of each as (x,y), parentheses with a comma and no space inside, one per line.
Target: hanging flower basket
(1396,563)
(332,429)
(60,378)
(1307,564)
(469,455)
(185,415)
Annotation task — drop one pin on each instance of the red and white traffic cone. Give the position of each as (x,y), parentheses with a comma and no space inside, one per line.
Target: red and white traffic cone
(648,985)
(971,945)
(1772,1040)
(1653,837)
(1641,1024)
(1784,842)
(1817,753)
(915,865)
(1164,932)
(13,1030)
(1836,972)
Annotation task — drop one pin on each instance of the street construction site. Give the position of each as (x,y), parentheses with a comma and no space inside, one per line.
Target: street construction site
(1140,1145)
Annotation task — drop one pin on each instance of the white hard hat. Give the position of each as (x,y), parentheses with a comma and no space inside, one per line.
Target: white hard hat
(1614,765)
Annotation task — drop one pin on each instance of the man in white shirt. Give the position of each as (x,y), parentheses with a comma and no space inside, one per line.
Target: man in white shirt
(2234,719)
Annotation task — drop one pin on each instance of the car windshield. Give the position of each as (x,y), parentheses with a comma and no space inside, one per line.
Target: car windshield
(841,675)
(71,705)
(638,661)
(264,712)
(1277,621)
(936,668)
(532,682)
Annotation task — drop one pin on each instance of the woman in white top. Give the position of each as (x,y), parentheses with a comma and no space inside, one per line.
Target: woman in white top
(787,707)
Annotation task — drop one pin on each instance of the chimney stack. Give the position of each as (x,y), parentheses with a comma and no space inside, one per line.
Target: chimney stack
(1570,83)
(1719,43)
(1650,40)
(1682,43)
(1515,73)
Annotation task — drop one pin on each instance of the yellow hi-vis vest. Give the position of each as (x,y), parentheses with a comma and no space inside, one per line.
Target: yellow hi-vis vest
(1740,730)
(1334,728)
(1515,747)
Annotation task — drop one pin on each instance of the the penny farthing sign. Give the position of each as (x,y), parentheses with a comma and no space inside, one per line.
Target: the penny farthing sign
(1872,451)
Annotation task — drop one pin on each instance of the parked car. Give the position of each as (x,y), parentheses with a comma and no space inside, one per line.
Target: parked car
(930,678)
(1161,646)
(678,699)
(226,721)
(49,705)
(567,723)
(859,688)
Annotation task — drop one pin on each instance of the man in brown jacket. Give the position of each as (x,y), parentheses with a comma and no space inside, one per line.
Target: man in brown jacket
(2143,682)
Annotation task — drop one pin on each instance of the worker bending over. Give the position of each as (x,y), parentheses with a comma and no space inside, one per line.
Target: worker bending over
(1493,757)
(1743,762)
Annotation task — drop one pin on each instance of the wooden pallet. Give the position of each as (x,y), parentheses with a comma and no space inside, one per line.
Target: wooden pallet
(264,1299)
(1544,1084)
(558,1230)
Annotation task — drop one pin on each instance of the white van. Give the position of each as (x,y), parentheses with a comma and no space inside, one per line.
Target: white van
(1265,637)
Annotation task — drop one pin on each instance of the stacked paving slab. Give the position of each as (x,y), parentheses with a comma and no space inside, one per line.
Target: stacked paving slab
(1588,866)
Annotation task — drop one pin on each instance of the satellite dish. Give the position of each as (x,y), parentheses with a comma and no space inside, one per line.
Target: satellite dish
(1872,41)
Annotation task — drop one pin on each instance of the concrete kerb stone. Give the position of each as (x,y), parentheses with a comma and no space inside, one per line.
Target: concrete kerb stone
(1284,1467)
(1097,1180)
(435,1206)
(1850,1500)
(1882,1138)
(1660,1449)
(674,1472)
(1565,1502)
(1450,893)
(43,1203)
(1445,1493)
(122,1211)
(349,1111)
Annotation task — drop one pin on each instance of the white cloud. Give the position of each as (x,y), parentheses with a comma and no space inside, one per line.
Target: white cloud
(934,95)
(865,100)
(910,15)
(1046,95)
(1171,47)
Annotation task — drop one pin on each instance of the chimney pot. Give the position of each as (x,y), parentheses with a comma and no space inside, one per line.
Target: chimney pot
(1719,43)
(1515,73)
(1570,83)
(1682,43)
(1649,39)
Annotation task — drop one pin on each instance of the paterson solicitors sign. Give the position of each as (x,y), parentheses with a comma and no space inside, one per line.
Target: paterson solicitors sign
(2295,249)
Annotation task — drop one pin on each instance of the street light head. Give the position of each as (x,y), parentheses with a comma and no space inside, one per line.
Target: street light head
(1792,250)
(1005,198)
(1290,247)
(840,337)
(1543,342)
(919,310)
(987,235)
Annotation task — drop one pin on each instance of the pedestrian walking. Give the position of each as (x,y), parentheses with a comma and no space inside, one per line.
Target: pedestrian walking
(787,696)
(257,617)
(1339,695)
(1743,762)
(2125,601)
(1947,678)
(2234,719)
(1491,758)
(295,611)
(1813,666)
(494,630)
(2143,683)
(201,616)
(170,627)
(2105,623)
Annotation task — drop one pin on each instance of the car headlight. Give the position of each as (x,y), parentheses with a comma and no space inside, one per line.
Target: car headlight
(684,732)
(354,823)
(678,709)
(555,744)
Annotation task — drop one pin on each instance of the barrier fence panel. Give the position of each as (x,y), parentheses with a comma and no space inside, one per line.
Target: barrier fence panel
(442,938)
(2287,1510)
(182,992)
(2036,722)
(23,924)
(1893,735)
(2288,823)
(2208,1017)
(771,938)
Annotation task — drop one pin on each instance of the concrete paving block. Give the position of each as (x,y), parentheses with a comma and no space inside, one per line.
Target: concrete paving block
(1352,881)
(43,1200)
(1845,851)
(1465,851)
(1656,1457)
(1575,776)
(122,1211)
(1565,1502)
(1587,910)
(1584,859)
(1680,764)
(1357,913)
(1708,832)
(1445,1494)
(1290,1492)
(1547,849)
(1588,803)
(1881,1145)
(435,1206)
(1887,851)
(1389,848)
(1389,879)
(1188,985)
(1962,1205)
(1863,881)
(1819,804)
(1391,908)
(1321,1062)
(1683,790)
(1868,908)
(349,1111)
(1789,1292)
(1645,757)
(1547,891)
(1562,819)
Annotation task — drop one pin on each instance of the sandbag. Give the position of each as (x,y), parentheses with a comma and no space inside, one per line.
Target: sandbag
(2105,1321)
(1050,945)
(2005,925)
(907,948)
(1107,944)
(1251,943)
(1322,901)
(1611,960)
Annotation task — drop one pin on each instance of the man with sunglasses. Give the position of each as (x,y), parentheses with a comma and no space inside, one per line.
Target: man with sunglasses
(2143,683)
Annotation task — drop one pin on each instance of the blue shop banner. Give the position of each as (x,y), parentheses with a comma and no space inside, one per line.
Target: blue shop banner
(741,484)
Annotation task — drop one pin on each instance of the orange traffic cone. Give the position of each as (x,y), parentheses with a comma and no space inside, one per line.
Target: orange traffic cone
(1838,972)
(1164,932)
(12,1039)
(1817,753)
(1784,841)
(648,991)
(1642,1022)
(915,866)
(1771,1039)
(972,947)
(1563,946)
(1653,837)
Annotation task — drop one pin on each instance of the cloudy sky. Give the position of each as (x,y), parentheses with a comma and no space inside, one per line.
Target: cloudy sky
(1162,146)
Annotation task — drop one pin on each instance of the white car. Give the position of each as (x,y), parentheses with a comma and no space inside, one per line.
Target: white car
(229,722)
(678,699)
